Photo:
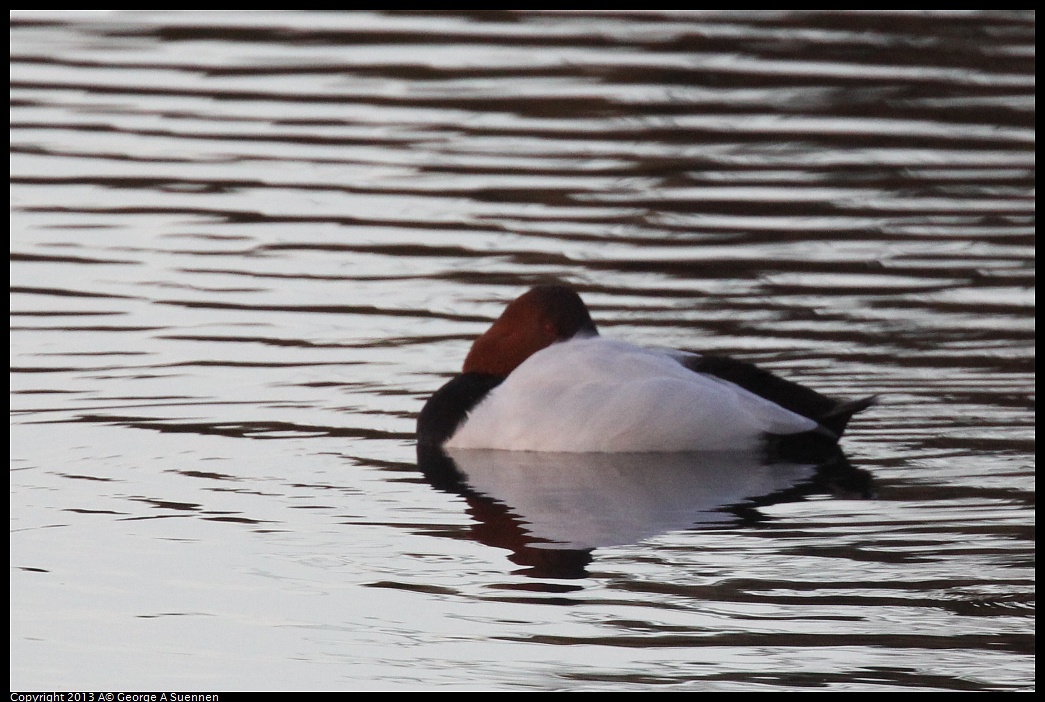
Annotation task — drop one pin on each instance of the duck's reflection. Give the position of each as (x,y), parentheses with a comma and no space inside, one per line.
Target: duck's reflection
(553,509)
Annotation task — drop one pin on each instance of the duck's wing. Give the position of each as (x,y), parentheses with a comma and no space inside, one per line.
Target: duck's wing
(828,412)
(596,395)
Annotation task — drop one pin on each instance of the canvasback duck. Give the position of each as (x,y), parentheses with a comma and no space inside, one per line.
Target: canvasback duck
(542,379)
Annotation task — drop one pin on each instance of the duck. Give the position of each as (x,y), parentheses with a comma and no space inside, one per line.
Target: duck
(542,378)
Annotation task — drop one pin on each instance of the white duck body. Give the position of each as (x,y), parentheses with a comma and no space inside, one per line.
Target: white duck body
(590,394)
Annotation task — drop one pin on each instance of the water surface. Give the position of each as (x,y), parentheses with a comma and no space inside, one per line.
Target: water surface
(245,247)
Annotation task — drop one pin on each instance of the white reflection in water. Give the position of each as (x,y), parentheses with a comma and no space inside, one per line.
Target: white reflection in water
(584,501)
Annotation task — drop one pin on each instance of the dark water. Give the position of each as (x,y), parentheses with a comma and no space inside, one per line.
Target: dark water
(245,247)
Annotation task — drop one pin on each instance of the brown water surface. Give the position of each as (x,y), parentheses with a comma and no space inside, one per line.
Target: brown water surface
(245,247)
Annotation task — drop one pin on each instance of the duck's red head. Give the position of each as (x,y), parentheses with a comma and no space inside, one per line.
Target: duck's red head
(540,317)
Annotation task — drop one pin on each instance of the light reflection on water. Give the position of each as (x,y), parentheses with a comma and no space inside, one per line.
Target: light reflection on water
(246,247)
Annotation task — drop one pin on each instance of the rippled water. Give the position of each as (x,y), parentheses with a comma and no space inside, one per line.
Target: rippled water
(245,247)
